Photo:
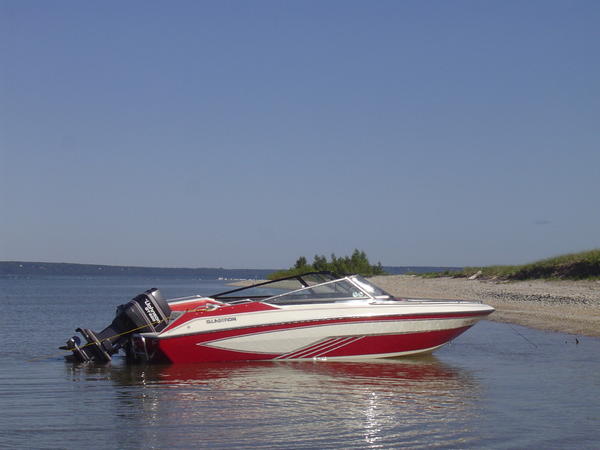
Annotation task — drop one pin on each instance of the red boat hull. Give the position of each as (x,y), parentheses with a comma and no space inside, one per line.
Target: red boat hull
(210,347)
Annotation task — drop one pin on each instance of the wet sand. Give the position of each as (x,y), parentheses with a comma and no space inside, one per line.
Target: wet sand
(565,306)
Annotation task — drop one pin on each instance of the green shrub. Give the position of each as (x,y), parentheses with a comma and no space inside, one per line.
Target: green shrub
(572,266)
(357,263)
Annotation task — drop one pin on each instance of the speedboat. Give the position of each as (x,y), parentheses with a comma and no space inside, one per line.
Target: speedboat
(313,316)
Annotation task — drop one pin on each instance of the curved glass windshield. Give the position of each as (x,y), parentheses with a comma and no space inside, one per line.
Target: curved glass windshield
(267,289)
(339,290)
(314,287)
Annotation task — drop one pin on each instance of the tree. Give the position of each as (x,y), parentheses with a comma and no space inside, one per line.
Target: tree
(320,263)
(357,263)
(300,263)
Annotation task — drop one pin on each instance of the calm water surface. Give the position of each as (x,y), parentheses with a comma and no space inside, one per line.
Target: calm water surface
(496,386)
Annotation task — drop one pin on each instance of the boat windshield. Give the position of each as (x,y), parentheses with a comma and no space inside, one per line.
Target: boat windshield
(333,291)
(315,287)
(268,289)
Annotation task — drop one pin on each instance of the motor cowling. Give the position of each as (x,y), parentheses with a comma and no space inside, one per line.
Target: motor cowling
(145,313)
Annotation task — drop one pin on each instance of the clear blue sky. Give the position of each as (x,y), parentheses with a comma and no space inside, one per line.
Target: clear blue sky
(248,133)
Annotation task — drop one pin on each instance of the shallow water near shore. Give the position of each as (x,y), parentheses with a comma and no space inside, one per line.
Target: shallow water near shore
(496,386)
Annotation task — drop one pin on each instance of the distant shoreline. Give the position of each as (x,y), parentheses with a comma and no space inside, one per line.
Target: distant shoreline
(214,273)
(563,306)
(26,268)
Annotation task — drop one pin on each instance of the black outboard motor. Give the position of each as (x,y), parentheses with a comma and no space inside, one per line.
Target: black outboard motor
(148,312)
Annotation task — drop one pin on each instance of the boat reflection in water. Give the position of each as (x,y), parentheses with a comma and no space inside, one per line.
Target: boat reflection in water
(409,402)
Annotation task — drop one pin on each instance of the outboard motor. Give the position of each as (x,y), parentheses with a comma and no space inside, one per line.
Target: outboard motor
(148,312)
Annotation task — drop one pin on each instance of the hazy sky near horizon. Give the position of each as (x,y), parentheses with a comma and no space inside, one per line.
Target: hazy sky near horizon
(247,133)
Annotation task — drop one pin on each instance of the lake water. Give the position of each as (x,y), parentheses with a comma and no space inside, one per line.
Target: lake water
(496,386)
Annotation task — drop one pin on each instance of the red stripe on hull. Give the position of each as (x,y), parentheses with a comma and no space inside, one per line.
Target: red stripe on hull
(396,343)
(320,348)
(189,349)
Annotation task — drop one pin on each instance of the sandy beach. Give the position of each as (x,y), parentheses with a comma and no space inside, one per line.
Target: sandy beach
(565,306)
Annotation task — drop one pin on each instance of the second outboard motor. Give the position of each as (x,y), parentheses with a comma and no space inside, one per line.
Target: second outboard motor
(148,312)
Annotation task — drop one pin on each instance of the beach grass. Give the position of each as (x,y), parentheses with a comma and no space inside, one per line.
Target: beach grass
(573,266)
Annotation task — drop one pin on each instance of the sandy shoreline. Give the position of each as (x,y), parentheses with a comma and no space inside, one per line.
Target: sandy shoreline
(565,306)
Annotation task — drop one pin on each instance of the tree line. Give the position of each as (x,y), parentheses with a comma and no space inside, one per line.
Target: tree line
(357,263)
